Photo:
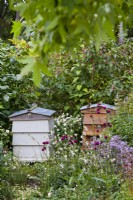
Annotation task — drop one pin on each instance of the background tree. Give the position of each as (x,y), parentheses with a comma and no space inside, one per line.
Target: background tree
(6,17)
(53,24)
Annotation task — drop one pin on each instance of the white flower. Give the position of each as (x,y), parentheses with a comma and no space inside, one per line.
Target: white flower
(49,194)
(61,165)
(7,131)
(85,161)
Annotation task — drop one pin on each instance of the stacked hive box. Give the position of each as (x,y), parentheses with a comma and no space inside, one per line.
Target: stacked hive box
(30,129)
(95,119)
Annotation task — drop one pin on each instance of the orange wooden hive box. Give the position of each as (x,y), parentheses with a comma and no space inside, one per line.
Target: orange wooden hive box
(95,119)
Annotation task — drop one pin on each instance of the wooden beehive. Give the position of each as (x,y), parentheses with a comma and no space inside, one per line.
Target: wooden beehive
(31,127)
(95,118)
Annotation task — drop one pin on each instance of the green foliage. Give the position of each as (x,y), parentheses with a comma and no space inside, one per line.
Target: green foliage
(51,25)
(15,94)
(5,138)
(66,124)
(78,175)
(69,172)
(123,121)
(87,76)
(6,17)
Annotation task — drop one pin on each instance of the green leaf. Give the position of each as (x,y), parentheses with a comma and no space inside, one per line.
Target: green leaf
(98,179)
(52,24)
(4,87)
(79,87)
(62,33)
(75,79)
(6,97)
(29,65)
(16,28)
(36,75)
(78,72)
(43,68)
(67,108)
(85,90)
(1,107)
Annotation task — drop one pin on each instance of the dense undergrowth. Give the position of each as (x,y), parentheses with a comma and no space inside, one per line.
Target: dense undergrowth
(100,173)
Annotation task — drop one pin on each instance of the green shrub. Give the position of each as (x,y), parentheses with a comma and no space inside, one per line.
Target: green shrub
(66,124)
(123,121)
(87,76)
(5,138)
(13,174)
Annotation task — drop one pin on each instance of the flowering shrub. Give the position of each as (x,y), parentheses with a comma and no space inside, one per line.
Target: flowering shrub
(123,121)
(69,125)
(5,137)
(116,151)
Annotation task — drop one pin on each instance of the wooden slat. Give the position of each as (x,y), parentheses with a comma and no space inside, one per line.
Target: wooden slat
(30,126)
(30,139)
(29,117)
(95,118)
(30,153)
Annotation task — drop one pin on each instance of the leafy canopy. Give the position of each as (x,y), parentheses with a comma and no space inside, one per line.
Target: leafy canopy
(54,24)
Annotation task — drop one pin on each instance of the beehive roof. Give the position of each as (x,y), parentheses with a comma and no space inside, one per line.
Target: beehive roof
(37,110)
(98,104)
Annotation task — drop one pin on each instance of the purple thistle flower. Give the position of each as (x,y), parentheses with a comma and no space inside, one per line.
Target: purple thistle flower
(98,104)
(44,148)
(97,143)
(104,124)
(108,111)
(46,142)
(64,137)
(71,142)
(104,107)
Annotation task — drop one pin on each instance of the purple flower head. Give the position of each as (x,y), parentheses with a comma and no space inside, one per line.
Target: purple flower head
(97,143)
(108,111)
(71,142)
(105,137)
(75,141)
(104,107)
(104,124)
(46,142)
(64,137)
(98,104)
(44,148)
(97,131)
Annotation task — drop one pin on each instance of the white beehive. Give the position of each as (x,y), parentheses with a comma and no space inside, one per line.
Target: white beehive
(31,127)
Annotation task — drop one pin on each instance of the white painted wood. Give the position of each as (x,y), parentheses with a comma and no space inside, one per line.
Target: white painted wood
(30,126)
(30,153)
(51,124)
(30,138)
